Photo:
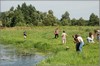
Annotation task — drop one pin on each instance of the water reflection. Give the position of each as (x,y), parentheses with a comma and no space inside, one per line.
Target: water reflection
(8,58)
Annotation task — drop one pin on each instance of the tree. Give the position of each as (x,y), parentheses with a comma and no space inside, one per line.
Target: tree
(50,19)
(18,7)
(28,15)
(12,8)
(93,20)
(65,15)
(3,18)
(19,18)
(66,19)
(64,22)
(81,22)
(50,12)
(35,18)
(6,18)
(74,22)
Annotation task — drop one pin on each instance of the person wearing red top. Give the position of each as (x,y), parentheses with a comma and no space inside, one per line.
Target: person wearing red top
(56,33)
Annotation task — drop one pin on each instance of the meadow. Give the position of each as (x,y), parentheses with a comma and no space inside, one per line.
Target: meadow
(41,39)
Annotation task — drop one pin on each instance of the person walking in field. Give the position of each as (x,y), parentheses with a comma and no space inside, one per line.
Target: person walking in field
(25,35)
(90,39)
(64,37)
(56,32)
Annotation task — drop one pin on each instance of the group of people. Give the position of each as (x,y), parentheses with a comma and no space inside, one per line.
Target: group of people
(78,40)
(56,32)
(91,36)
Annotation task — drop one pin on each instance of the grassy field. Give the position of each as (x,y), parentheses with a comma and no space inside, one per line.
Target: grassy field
(42,39)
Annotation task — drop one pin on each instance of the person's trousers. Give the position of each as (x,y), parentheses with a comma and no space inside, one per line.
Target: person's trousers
(56,35)
(81,45)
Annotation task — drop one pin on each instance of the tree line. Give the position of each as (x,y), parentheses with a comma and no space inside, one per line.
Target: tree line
(27,15)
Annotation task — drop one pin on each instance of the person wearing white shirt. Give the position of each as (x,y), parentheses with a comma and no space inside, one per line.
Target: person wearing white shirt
(90,39)
(64,37)
(80,40)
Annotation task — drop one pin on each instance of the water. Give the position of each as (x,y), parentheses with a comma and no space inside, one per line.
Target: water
(8,57)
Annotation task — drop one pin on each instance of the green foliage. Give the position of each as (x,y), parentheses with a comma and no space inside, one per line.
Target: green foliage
(27,15)
(93,20)
(50,19)
(19,18)
(42,39)
(81,22)
(65,20)
(66,15)
(12,8)
(74,22)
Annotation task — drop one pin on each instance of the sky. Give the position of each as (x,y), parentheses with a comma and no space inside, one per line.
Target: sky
(75,8)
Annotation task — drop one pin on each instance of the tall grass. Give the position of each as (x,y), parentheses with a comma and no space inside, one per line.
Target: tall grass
(42,39)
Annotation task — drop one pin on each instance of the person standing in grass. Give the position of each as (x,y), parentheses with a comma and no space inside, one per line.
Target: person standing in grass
(25,35)
(90,39)
(56,33)
(64,37)
(76,42)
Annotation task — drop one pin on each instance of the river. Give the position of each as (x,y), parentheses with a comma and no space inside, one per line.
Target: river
(8,57)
